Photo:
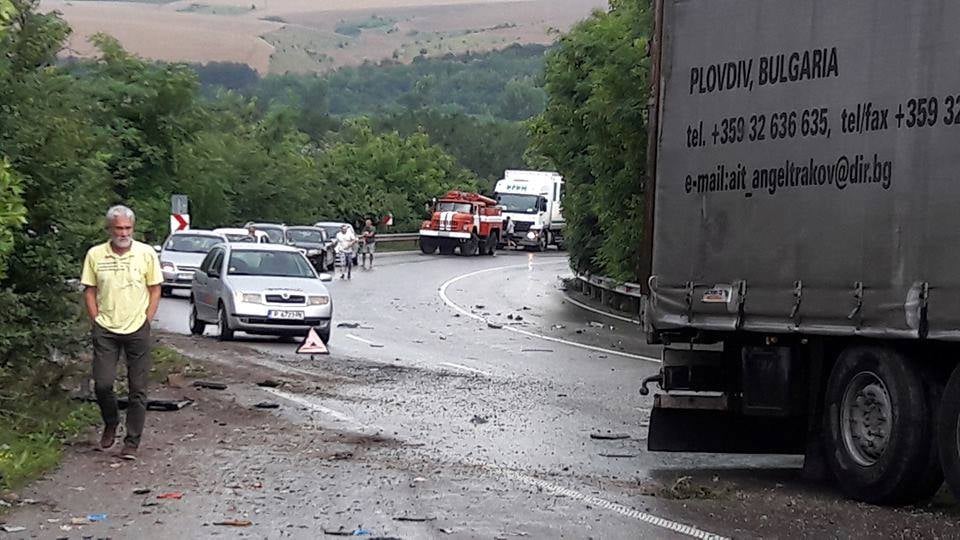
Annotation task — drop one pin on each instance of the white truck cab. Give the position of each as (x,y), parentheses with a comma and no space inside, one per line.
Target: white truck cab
(532,200)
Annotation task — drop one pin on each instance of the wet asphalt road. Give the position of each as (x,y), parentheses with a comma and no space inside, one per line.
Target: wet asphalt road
(519,403)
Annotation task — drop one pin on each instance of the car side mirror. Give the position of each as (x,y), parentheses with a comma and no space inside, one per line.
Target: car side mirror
(158,249)
(326,277)
(213,273)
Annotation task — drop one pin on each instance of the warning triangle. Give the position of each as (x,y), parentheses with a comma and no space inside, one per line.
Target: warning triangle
(312,344)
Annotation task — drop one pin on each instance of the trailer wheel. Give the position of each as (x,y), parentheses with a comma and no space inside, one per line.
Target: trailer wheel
(879,427)
(428,245)
(948,432)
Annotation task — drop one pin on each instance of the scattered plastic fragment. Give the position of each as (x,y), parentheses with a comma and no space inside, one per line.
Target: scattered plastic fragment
(361,532)
(267,405)
(495,326)
(414,519)
(269,383)
(176,495)
(93,518)
(235,523)
(609,436)
(141,491)
(210,384)
(12,528)
(617,455)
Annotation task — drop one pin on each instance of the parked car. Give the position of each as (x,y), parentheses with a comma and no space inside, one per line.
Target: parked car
(273,230)
(315,244)
(332,228)
(267,289)
(181,254)
(237,234)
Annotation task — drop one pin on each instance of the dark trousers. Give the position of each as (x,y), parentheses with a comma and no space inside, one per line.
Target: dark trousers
(107,347)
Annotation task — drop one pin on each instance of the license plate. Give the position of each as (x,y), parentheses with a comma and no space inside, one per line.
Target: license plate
(186,275)
(285,315)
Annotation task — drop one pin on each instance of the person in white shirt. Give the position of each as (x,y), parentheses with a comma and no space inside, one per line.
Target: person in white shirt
(346,240)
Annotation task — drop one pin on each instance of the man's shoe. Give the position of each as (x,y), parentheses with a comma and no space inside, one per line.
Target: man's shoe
(128,452)
(108,437)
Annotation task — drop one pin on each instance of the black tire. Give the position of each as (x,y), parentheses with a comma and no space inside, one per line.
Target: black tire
(196,325)
(447,248)
(879,430)
(166,291)
(428,245)
(541,243)
(490,245)
(948,432)
(223,325)
(470,247)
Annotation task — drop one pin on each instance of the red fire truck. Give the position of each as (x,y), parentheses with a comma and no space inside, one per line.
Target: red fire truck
(468,221)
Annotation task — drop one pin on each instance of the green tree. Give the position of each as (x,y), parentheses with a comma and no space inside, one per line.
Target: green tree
(369,174)
(594,132)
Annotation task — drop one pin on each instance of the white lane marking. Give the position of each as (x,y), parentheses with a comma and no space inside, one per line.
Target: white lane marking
(664,523)
(361,340)
(446,300)
(311,404)
(465,368)
(598,311)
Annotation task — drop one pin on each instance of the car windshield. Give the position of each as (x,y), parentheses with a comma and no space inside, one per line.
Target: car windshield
(331,230)
(237,237)
(308,236)
(269,263)
(192,243)
(463,208)
(274,234)
(522,204)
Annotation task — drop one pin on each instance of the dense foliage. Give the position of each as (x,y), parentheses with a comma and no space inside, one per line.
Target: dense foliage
(78,137)
(594,132)
(503,84)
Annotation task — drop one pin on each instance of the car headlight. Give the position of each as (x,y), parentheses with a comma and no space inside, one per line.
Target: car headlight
(531,235)
(313,252)
(249,298)
(320,300)
(168,266)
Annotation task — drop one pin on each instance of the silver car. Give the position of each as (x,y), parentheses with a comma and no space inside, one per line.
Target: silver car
(182,254)
(266,289)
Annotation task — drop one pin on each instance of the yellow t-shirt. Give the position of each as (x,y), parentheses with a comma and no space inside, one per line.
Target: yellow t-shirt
(121,282)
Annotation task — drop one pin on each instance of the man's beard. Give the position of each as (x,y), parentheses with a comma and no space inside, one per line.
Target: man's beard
(122,243)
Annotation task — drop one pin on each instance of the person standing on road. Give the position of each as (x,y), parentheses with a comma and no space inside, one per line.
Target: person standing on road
(122,280)
(510,228)
(346,240)
(369,246)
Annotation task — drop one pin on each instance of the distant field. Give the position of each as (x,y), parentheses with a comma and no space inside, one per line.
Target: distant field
(299,36)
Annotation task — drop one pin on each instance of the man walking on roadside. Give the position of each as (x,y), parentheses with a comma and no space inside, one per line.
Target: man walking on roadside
(369,246)
(122,279)
(510,228)
(346,240)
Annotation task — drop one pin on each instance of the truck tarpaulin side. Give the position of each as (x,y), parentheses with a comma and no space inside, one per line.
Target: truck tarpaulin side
(808,175)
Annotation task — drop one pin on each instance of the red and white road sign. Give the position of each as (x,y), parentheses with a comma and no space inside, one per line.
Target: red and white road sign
(312,344)
(388,220)
(179,222)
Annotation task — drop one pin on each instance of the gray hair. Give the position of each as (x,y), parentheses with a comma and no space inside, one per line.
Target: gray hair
(120,211)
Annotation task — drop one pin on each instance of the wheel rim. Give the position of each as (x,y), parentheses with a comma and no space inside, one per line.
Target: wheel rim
(866,418)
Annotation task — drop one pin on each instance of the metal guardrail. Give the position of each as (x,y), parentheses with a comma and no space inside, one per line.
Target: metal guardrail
(620,297)
(397,237)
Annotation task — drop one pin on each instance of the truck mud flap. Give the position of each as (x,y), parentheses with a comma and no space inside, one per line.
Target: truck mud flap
(723,432)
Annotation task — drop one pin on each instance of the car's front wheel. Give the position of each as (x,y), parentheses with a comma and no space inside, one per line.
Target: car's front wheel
(223,324)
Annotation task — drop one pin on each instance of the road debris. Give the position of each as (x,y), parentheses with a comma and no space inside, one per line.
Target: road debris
(609,436)
(12,528)
(447,531)
(267,405)
(604,454)
(495,326)
(141,491)
(212,385)
(414,519)
(165,405)
(175,495)
(348,325)
(596,324)
(176,380)
(94,518)
(234,523)
(559,326)
(537,350)
(477,420)
(269,383)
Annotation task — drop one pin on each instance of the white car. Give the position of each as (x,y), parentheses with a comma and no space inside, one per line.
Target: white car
(181,255)
(242,235)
